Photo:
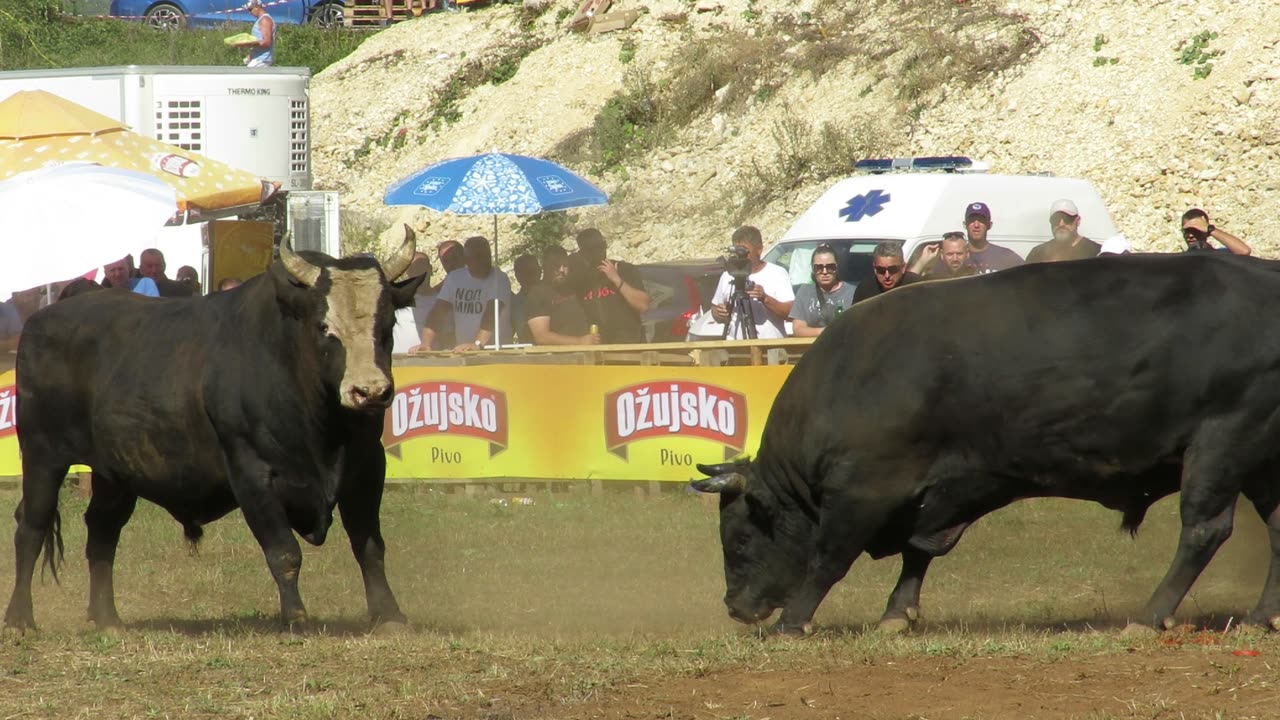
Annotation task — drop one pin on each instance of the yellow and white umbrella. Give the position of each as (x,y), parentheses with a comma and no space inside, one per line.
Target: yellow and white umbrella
(59,222)
(39,129)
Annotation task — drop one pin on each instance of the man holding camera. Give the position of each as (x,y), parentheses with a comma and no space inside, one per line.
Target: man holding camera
(767,288)
(1196,231)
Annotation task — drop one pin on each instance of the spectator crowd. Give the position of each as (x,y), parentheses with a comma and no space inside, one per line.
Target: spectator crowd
(584,297)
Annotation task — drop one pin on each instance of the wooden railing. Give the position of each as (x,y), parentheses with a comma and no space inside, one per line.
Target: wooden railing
(715,353)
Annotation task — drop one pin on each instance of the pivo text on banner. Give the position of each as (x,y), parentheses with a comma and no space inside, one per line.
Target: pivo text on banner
(573,422)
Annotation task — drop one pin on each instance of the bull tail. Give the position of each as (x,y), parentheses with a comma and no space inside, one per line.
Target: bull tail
(53,549)
(193,533)
(1134,514)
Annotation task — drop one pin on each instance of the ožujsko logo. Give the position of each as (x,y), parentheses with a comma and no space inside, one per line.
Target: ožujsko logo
(446,408)
(8,411)
(675,407)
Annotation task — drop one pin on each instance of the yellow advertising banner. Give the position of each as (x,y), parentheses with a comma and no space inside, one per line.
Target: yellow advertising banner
(10,464)
(552,422)
(574,422)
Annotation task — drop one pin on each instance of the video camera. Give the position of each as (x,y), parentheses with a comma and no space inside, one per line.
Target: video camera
(737,262)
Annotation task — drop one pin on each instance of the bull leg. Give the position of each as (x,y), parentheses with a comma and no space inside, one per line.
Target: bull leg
(359,502)
(1266,500)
(844,529)
(1207,509)
(109,509)
(267,520)
(38,525)
(903,609)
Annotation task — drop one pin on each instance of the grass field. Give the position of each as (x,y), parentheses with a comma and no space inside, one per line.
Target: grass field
(609,606)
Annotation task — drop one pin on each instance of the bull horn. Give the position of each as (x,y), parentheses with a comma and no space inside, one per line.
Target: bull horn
(299,269)
(395,266)
(719,469)
(734,482)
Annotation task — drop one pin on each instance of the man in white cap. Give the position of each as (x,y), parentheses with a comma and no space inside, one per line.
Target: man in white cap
(262,48)
(1116,245)
(1067,242)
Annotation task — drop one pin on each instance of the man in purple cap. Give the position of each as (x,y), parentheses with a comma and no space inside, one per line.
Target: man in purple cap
(984,256)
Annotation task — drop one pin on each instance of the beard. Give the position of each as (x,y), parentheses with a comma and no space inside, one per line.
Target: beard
(1063,234)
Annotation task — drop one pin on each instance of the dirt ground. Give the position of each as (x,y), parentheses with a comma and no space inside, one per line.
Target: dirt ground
(581,607)
(1144,684)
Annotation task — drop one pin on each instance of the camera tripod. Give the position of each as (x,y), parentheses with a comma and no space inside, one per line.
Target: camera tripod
(741,324)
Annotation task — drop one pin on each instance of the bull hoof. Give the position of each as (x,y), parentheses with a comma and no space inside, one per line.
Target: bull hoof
(17,631)
(894,626)
(1137,631)
(1260,623)
(781,629)
(392,628)
(106,623)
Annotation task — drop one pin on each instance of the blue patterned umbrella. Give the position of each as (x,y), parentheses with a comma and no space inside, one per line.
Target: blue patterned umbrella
(495,184)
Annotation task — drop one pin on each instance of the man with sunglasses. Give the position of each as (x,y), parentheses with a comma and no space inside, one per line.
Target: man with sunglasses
(889,271)
(1196,231)
(819,303)
(1067,242)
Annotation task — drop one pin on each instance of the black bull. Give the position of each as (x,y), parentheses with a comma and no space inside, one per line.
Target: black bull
(1119,380)
(269,397)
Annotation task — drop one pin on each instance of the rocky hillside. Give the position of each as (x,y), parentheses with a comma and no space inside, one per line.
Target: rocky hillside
(709,113)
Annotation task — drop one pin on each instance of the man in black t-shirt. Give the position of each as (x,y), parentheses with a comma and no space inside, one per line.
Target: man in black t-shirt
(888,271)
(613,293)
(554,311)
(1067,242)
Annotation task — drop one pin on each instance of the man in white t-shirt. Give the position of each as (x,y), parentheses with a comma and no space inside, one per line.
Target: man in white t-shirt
(410,320)
(468,294)
(768,287)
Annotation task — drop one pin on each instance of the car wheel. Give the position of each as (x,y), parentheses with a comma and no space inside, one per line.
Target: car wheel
(166,16)
(328,16)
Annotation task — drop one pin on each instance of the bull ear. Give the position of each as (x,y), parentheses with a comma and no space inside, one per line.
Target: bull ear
(300,270)
(402,292)
(734,482)
(395,265)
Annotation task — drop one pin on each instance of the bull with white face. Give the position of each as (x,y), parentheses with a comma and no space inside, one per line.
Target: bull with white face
(268,398)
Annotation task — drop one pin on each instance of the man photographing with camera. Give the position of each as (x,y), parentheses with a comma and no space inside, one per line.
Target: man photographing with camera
(767,290)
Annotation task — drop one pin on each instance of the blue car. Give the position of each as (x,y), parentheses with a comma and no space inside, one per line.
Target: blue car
(174,14)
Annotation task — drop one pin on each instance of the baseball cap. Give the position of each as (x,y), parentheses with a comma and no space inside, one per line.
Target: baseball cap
(1116,245)
(977,209)
(253,4)
(1064,206)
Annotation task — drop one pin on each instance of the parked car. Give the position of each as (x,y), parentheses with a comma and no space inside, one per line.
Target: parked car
(175,14)
(678,291)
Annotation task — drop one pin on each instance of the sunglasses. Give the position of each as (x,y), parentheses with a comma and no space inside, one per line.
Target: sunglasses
(953,236)
(1061,218)
(827,268)
(888,269)
(1191,233)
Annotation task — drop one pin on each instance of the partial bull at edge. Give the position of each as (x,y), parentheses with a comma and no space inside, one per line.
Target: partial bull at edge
(269,397)
(1118,379)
